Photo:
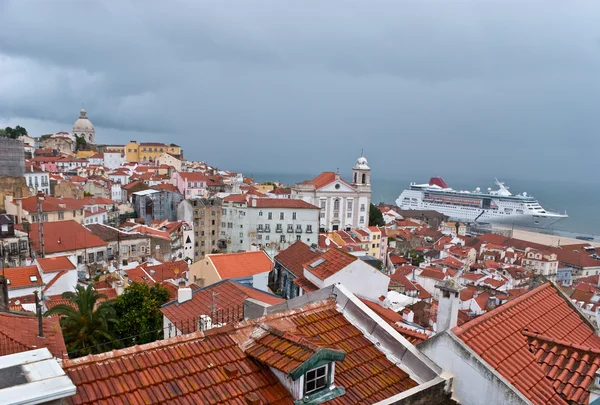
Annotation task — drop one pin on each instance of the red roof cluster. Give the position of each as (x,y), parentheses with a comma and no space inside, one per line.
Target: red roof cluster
(64,236)
(23,277)
(294,256)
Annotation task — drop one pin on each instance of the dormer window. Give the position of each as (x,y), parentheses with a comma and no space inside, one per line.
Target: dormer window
(316,379)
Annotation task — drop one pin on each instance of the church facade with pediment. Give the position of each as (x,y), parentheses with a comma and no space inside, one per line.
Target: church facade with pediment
(344,205)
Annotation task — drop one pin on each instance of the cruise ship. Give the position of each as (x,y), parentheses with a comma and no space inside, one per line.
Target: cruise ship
(493,207)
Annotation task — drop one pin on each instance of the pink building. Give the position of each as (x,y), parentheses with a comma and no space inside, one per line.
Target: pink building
(190,184)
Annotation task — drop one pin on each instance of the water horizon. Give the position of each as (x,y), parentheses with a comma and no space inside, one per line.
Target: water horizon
(577,198)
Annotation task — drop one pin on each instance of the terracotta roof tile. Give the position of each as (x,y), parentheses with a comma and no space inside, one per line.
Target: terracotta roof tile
(64,236)
(498,338)
(225,307)
(295,256)
(329,263)
(395,319)
(570,368)
(54,264)
(23,277)
(305,284)
(239,265)
(19,333)
(281,203)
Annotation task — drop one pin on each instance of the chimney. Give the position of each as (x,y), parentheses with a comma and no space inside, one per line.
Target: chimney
(491,304)
(38,312)
(184,294)
(447,316)
(3,294)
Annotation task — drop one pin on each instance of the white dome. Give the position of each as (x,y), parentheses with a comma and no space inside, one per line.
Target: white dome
(361,163)
(83,124)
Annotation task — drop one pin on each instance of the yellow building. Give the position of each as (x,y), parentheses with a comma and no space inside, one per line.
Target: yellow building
(84,154)
(149,151)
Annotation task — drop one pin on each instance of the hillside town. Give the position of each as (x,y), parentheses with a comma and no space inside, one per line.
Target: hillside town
(131,275)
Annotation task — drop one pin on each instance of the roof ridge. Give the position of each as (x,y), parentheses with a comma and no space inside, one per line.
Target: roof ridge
(490,314)
(561,342)
(106,356)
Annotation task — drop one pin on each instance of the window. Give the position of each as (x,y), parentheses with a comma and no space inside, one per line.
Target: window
(315,379)
(323,202)
(362,220)
(213,222)
(336,204)
(241,234)
(349,205)
(290,228)
(91,258)
(270,215)
(267,228)
(298,238)
(212,242)
(213,212)
(260,213)
(189,184)
(100,256)
(223,225)
(279,228)
(362,208)
(349,215)
(224,212)
(260,228)
(23,245)
(282,239)
(298,228)
(267,237)
(308,228)
(281,215)
(322,215)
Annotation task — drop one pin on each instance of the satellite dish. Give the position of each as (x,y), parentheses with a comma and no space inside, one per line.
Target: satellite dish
(327,242)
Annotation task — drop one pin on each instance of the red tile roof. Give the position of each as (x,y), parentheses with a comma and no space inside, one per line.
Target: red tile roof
(21,277)
(236,198)
(324,179)
(294,256)
(305,284)
(239,265)
(64,236)
(283,350)
(568,366)
(498,338)
(19,333)
(432,273)
(333,261)
(167,270)
(281,203)
(54,264)
(211,367)
(394,318)
(226,305)
(366,373)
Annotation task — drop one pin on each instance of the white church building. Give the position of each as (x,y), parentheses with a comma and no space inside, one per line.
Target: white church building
(344,205)
(84,127)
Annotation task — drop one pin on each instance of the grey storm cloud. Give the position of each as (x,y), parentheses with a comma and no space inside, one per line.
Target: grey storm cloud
(496,87)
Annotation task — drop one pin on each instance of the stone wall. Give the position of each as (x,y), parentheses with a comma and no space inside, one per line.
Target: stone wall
(12,186)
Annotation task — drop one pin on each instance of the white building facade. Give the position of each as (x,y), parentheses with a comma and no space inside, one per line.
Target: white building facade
(38,181)
(343,205)
(267,223)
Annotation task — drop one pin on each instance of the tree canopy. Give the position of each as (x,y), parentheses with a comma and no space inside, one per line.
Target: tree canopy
(13,133)
(86,323)
(80,143)
(375,216)
(138,312)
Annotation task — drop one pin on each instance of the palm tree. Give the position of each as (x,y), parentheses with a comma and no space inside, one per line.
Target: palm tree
(86,326)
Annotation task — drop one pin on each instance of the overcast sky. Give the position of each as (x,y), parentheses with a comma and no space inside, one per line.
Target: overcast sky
(494,88)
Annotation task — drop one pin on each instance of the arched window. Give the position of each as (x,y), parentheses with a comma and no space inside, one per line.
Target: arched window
(355,177)
(336,204)
(364,178)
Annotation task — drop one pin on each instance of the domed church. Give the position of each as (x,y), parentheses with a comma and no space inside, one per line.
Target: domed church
(84,127)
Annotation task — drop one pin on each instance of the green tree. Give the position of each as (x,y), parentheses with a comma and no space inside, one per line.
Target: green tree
(13,133)
(375,216)
(85,324)
(80,143)
(138,310)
